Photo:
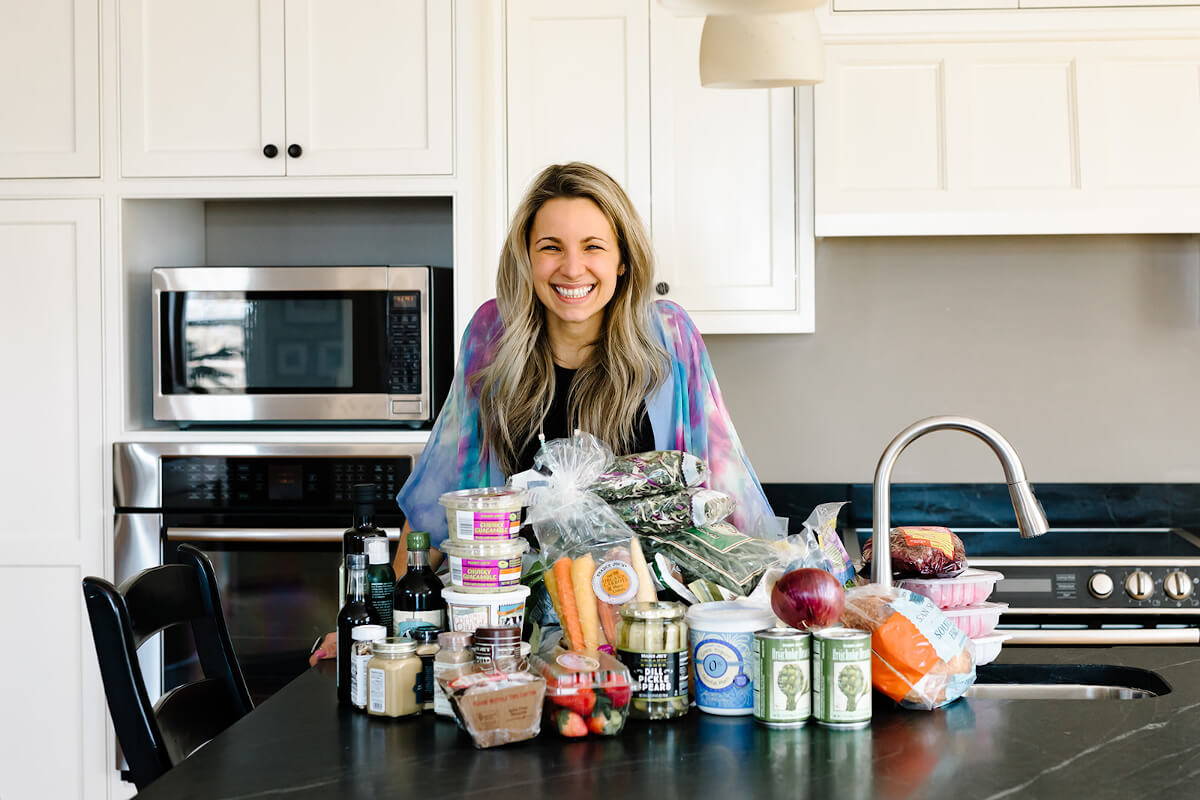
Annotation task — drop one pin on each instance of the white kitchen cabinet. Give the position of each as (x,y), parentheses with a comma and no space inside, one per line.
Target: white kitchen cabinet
(722,177)
(51,479)
(50,83)
(214,88)
(1070,135)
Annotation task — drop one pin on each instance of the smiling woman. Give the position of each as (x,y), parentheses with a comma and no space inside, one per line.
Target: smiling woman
(574,340)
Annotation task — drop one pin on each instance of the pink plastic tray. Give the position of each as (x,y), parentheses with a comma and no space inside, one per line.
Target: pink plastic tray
(977,620)
(969,587)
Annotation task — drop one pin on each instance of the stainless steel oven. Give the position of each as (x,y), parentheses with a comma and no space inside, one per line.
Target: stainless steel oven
(344,344)
(271,517)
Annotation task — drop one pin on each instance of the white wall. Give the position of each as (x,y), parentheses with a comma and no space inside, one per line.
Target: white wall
(1083,351)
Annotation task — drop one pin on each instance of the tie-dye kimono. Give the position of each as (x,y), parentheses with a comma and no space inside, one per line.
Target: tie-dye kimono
(686,413)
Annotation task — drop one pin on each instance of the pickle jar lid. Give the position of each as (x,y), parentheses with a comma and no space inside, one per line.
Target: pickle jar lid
(652,609)
(394,646)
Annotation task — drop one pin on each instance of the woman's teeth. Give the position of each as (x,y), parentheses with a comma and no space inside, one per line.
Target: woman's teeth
(574,294)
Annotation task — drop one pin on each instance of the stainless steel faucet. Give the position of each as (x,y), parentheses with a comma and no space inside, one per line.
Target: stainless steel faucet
(1031,520)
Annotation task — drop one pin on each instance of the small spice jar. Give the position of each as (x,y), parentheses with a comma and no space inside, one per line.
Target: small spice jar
(454,658)
(652,641)
(362,637)
(427,649)
(497,648)
(392,675)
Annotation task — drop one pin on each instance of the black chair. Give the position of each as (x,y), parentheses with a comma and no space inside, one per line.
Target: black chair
(155,737)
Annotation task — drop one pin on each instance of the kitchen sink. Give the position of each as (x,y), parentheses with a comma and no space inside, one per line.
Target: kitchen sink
(1066,682)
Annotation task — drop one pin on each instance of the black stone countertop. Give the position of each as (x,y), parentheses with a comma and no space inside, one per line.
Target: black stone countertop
(299,743)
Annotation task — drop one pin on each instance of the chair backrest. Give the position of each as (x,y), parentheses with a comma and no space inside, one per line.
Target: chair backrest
(155,737)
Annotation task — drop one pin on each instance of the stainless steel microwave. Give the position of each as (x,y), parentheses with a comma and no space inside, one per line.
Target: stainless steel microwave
(263,345)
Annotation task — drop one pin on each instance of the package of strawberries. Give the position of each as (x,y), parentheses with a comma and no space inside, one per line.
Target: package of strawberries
(586,694)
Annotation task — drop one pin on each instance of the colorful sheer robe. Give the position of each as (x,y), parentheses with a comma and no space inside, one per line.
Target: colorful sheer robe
(687,413)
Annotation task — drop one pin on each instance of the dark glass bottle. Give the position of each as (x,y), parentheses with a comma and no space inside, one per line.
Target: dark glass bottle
(353,614)
(362,528)
(381,581)
(418,601)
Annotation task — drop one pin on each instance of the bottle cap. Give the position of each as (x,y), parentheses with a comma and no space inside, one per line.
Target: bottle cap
(356,561)
(378,550)
(418,540)
(365,493)
(506,634)
(368,633)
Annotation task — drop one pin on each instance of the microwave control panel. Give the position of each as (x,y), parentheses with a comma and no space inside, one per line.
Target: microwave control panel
(404,342)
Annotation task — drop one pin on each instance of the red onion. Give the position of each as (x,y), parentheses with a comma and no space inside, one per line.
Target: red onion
(808,598)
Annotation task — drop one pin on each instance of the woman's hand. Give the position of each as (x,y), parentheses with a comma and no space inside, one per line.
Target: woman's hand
(326,649)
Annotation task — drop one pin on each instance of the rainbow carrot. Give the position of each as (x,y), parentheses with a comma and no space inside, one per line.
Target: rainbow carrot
(608,621)
(582,570)
(566,594)
(556,601)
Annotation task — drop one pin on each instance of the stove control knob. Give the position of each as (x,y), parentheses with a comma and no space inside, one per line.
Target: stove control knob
(1100,585)
(1177,585)
(1139,585)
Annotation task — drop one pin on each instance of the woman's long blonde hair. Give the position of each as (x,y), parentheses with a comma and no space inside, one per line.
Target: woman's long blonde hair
(626,362)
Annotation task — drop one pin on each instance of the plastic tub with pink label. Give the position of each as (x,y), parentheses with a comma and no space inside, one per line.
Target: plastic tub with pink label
(485,566)
(489,514)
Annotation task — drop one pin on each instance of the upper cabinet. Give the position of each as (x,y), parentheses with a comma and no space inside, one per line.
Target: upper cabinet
(50,82)
(286,87)
(722,177)
(1021,132)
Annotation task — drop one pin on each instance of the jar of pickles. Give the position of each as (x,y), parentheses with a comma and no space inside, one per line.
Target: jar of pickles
(652,641)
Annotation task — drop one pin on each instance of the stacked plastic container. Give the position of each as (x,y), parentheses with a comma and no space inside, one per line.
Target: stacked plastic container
(964,599)
(484,554)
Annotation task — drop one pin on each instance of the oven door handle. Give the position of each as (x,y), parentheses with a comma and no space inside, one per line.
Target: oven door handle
(255,535)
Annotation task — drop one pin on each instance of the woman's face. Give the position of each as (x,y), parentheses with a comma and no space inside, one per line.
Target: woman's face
(576,260)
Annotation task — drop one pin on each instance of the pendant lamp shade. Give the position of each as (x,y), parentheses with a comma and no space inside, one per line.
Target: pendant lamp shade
(736,8)
(763,51)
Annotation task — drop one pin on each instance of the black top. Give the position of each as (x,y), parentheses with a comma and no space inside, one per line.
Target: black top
(555,425)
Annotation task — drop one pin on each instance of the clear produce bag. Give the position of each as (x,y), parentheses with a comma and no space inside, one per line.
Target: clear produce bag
(919,658)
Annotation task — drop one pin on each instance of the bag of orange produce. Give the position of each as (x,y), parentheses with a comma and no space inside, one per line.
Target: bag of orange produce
(590,556)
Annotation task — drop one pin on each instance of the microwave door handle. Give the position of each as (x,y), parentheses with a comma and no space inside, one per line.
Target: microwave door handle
(255,535)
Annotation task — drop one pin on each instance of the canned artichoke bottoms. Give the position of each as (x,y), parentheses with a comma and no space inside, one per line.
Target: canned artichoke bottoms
(721,637)
(781,663)
(652,641)
(841,680)
(488,514)
(478,566)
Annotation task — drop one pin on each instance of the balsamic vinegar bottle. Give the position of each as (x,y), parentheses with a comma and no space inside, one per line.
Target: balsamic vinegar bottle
(361,530)
(353,614)
(418,600)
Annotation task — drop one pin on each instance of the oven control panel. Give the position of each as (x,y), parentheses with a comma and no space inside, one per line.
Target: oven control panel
(267,482)
(1169,588)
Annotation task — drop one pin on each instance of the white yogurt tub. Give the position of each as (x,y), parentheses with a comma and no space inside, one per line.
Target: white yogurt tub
(492,566)
(721,636)
(489,514)
(470,610)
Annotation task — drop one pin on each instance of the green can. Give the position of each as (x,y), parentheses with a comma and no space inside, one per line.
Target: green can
(780,664)
(842,678)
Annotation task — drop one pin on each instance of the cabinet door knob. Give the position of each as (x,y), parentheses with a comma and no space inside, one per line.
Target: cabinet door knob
(662,287)
(270,151)
(294,150)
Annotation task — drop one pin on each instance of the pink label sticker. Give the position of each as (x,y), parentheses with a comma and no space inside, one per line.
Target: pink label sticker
(485,573)
(483,525)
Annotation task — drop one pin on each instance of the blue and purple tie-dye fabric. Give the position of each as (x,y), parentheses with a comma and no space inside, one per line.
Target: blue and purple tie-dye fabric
(687,413)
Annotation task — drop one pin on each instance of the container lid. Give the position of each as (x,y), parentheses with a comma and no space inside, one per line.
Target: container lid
(516,593)
(491,498)
(497,548)
(368,633)
(968,575)
(356,561)
(979,609)
(395,646)
(566,673)
(652,610)
(728,615)
(426,634)
(454,640)
(505,634)
(417,540)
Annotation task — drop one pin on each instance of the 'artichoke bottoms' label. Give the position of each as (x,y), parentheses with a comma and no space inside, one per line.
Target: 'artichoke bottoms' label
(781,670)
(841,666)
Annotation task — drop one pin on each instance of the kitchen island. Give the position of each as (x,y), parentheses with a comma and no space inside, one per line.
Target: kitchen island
(299,743)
